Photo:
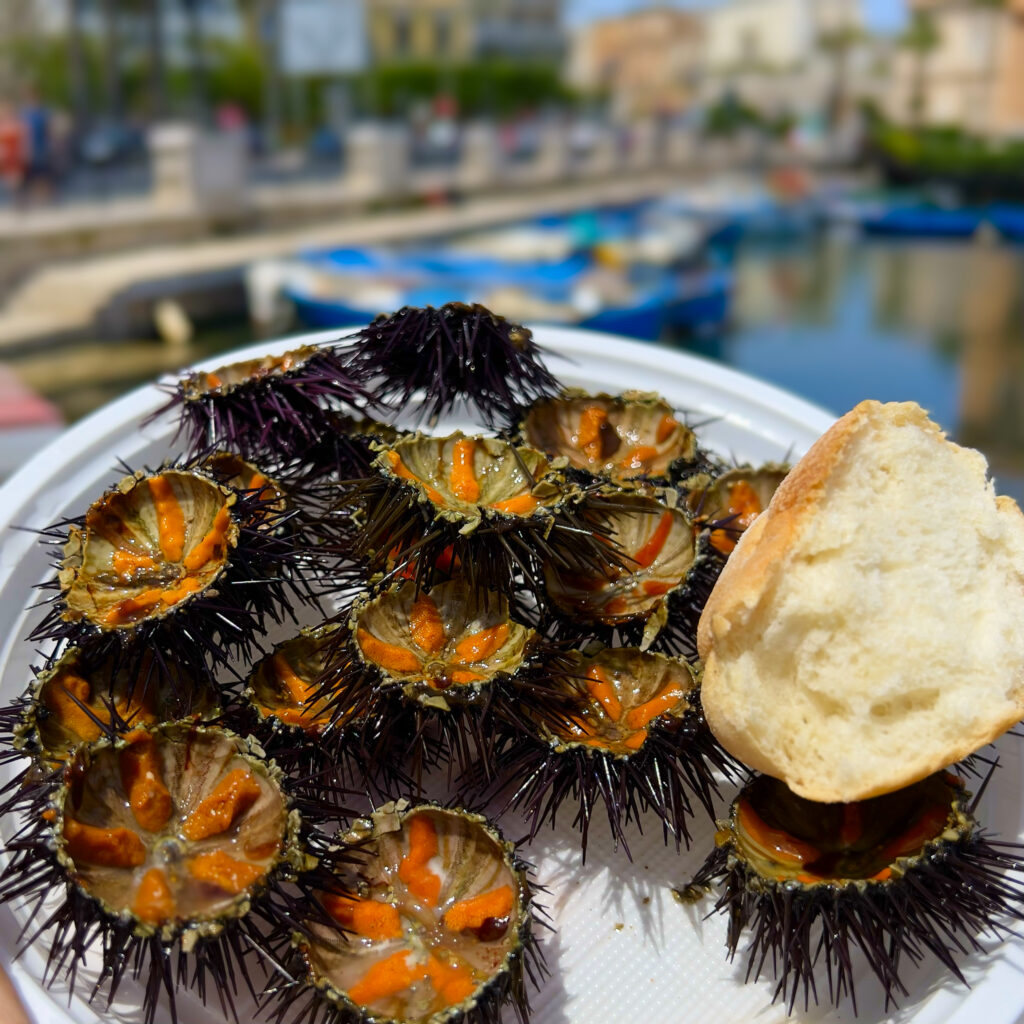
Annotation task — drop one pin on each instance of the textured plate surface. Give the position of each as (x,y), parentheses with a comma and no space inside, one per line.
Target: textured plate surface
(622,949)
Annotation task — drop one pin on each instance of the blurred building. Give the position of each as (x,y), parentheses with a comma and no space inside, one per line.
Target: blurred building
(969,70)
(461,30)
(782,57)
(645,62)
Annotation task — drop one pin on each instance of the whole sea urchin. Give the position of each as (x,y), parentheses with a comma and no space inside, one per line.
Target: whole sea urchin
(435,357)
(278,405)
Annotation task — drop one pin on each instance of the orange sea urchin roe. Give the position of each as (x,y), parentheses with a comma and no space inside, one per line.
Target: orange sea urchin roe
(665,427)
(402,471)
(170,518)
(148,797)
(154,902)
(388,656)
(212,545)
(480,646)
(744,507)
(224,871)
(643,714)
(653,547)
(234,795)
(62,699)
(385,978)
(588,438)
(298,689)
(425,624)
(472,913)
(368,918)
(106,847)
(600,687)
(520,505)
(464,483)
(452,982)
(414,869)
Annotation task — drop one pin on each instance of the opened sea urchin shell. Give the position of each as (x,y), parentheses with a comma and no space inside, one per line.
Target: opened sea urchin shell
(491,509)
(620,437)
(173,569)
(731,502)
(275,405)
(631,736)
(450,641)
(167,844)
(81,699)
(646,594)
(891,877)
(439,928)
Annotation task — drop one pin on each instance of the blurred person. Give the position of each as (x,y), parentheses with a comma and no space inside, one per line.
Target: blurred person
(36,123)
(12,148)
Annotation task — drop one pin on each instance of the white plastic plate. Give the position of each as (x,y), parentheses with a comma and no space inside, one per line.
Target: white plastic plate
(622,948)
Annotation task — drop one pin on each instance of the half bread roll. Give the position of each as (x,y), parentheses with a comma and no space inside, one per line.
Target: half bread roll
(869,627)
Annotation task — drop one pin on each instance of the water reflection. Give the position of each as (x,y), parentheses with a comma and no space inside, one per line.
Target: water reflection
(840,320)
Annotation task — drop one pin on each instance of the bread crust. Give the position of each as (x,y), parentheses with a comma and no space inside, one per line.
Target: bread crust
(760,558)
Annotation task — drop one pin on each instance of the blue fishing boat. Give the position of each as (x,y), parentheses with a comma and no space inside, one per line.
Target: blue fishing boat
(922,221)
(1008,220)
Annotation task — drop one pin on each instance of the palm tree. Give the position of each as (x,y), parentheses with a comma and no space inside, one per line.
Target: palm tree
(921,38)
(157,64)
(193,12)
(111,58)
(78,82)
(839,42)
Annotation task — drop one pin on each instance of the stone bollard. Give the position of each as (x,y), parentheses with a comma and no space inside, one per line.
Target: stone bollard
(479,164)
(172,151)
(680,148)
(645,138)
(552,160)
(604,157)
(376,161)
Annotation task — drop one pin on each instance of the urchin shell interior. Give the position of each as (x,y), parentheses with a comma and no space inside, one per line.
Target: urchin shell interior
(619,437)
(734,500)
(621,692)
(172,827)
(147,545)
(439,916)
(81,698)
(226,378)
(784,837)
(287,684)
(658,549)
(471,476)
(448,639)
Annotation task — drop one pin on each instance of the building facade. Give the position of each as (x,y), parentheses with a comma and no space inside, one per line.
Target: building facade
(972,76)
(774,55)
(463,30)
(646,62)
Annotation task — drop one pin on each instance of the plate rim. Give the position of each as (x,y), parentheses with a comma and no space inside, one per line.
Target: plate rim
(573,344)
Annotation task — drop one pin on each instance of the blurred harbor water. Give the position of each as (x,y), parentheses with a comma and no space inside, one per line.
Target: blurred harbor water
(832,318)
(838,319)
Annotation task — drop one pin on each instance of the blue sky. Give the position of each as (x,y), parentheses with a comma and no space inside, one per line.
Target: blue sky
(882,15)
